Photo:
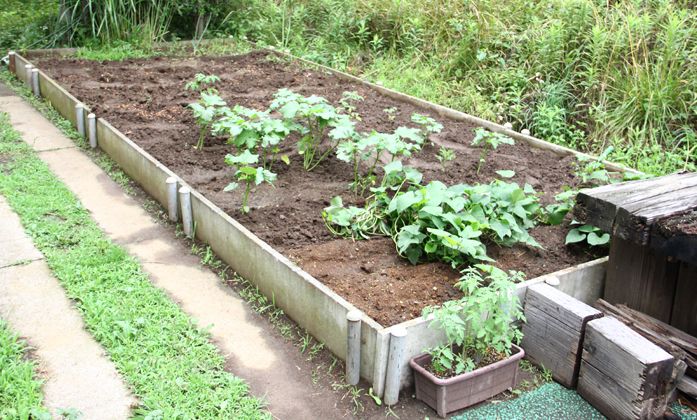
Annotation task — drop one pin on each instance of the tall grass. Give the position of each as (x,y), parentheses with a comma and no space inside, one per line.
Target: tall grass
(115,20)
(583,73)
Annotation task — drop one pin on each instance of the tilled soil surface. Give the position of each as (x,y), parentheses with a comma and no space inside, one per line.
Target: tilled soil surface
(146,100)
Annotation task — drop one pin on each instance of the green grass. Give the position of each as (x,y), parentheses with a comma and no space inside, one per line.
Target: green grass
(25,23)
(168,361)
(20,390)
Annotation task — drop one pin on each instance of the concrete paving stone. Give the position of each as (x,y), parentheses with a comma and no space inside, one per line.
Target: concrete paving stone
(77,373)
(15,245)
(39,133)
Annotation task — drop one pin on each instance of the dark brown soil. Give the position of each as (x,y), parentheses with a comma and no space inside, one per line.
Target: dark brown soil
(146,100)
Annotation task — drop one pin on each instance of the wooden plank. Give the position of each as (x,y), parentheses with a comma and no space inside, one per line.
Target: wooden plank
(688,386)
(653,330)
(634,219)
(676,236)
(599,206)
(641,278)
(622,374)
(554,329)
(684,315)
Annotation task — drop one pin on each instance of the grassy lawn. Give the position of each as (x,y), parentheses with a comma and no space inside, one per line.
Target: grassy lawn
(20,390)
(169,362)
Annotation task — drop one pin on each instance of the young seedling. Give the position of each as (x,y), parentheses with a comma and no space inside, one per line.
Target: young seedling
(427,124)
(202,81)
(205,111)
(444,156)
(593,171)
(391,113)
(588,233)
(248,174)
(488,141)
(348,103)
(370,146)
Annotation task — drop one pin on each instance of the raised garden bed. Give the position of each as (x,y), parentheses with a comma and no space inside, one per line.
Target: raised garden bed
(146,101)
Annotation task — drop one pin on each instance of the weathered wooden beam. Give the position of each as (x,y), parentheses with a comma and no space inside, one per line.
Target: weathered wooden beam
(688,386)
(684,314)
(650,329)
(641,278)
(554,329)
(623,374)
(677,236)
(635,218)
(599,206)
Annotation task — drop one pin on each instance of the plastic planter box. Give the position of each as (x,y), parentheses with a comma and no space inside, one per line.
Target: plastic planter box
(458,392)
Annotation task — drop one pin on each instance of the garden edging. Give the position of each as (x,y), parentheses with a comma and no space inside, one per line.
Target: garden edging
(306,300)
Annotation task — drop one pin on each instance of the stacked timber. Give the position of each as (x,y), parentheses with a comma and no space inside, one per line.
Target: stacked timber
(554,329)
(653,256)
(682,346)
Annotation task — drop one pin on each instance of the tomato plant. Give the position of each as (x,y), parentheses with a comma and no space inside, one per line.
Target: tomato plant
(478,323)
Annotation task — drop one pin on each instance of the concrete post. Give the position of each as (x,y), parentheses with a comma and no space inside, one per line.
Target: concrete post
(553,281)
(80,119)
(394,365)
(27,74)
(13,66)
(172,199)
(353,349)
(35,82)
(187,219)
(92,127)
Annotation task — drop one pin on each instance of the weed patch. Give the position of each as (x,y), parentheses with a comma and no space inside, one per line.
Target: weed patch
(20,390)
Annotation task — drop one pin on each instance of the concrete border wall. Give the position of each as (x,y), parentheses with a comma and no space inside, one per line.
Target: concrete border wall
(306,300)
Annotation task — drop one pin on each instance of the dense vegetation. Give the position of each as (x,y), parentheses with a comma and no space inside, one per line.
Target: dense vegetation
(581,73)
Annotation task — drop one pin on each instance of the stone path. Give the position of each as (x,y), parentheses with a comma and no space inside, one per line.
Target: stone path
(76,371)
(253,353)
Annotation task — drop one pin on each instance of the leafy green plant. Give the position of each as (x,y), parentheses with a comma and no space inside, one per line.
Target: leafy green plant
(248,174)
(555,213)
(427,124)
(348,103)
(316,119)
(249,129)
(478,326)
(592,171)
(444,156)
(208,107)
(202,81)
(488,141)
(391,113)
(437,222)
(371,146)
(587,233)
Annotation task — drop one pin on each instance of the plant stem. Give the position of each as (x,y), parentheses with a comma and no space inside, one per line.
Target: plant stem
(248,187)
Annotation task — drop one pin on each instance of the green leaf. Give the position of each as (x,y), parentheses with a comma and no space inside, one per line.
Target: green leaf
(594,239)
(575,236)
(231,186)
(506,173)
(285,159)
(244,158)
